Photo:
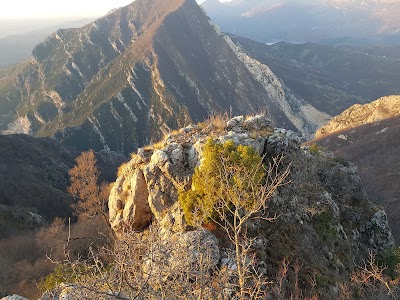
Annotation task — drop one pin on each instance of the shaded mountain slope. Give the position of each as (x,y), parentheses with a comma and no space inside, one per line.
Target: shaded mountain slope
(374,148)
(18,46)
(138,73)
(331,78)
(34,180)
(34,175)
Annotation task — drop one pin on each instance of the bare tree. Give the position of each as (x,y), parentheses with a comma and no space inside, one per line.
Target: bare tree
(142,266)
(373,282)
(238,205)
(92,198)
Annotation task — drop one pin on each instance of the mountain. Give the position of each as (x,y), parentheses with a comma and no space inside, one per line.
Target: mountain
(330,78)
(136,74)
(17,47)
(368,136)
(309,21)
(358,115)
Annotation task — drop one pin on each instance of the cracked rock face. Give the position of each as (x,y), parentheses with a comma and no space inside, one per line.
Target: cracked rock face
(147,188)
(13,297)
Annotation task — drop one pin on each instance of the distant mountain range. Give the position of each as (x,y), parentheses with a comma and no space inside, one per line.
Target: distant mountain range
(369,137)
(138,73)
(322,21)
(331,78)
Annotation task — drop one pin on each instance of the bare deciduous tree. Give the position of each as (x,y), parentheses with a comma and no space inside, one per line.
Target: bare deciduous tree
(373,281)
(92,198)
(241,203)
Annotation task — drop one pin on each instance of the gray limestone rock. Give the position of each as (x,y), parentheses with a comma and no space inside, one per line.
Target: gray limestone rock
(13,297)
(235,124)
(257,123)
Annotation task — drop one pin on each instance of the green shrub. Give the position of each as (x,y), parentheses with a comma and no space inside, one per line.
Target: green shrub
(315,149)
(223,175)
(61,274)
(390,259)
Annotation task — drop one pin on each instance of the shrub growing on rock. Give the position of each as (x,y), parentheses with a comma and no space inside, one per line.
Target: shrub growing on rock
(223,174)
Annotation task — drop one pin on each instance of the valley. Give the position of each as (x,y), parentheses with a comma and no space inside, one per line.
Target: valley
(324,22)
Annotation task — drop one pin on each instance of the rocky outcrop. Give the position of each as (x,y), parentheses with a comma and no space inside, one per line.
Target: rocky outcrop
(327,221)
(374,148)
(357,115)
(147,187)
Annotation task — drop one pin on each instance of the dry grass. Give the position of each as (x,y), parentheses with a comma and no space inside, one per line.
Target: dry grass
(216,121)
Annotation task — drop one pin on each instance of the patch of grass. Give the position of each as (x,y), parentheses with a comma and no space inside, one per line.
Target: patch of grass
(315,149)
(264,133)
(217,121)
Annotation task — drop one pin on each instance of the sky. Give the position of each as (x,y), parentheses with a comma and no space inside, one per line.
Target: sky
(38,9)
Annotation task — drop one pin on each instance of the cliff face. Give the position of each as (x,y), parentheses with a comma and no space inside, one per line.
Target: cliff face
(374,148)
(357,115)
(326,220)
(132,76)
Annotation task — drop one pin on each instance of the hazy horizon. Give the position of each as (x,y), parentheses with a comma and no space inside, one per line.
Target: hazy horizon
(45,9)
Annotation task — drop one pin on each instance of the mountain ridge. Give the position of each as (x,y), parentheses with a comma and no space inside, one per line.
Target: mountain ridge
(358,115)
(140,67)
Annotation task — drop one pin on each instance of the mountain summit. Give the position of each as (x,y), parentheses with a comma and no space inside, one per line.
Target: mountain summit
(139,72)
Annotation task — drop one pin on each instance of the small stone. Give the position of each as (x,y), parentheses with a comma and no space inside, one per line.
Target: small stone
(188,129)
(13,297)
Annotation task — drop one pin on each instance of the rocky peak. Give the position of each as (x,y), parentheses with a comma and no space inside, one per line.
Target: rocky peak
(152,66)
(357,115)
(147,186)
(326,222)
